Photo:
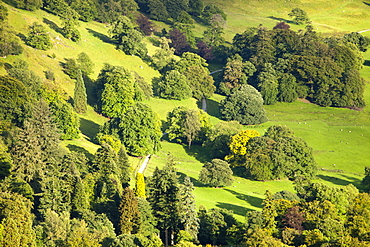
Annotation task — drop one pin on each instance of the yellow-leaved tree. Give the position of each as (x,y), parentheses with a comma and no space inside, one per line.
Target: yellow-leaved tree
(238,146)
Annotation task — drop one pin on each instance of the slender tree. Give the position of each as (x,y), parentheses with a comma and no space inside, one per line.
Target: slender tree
(128,209)
(80,96)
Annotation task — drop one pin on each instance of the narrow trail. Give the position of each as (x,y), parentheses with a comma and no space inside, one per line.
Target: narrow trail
(144,164)
(363,31)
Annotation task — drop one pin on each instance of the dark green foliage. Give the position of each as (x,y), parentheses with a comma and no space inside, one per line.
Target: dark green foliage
(115,90)
(124,166)
(14,100)
(164,199)
(245,105)
(5,160)
(128,38)
(286,195)
(196,7)
(287,88)
(4,12)
(80,96)
(236,72)
(157,10)
(49,74)
(358,39)
(31,5)
(216,173)
(86,9)
(147,221)
(211,10)
(213,225)
(366,180)
(38,37)
(268,85)
(139,130)
(128,208)
(70,67)
(279,154)
(299,16)
(172,85)
(70,31)
(189,218)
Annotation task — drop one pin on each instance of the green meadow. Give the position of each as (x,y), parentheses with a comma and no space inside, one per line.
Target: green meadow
(340,137)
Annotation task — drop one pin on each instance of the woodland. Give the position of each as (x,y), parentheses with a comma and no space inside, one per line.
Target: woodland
(165,81)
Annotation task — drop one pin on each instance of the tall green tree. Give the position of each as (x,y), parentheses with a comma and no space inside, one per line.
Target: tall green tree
(245,104)
(237,72)
(216,173)
(38,37)
(139,130)
(172,85)
(299,16)
(164,199)
(189,218)
(192,126)
(80,96)
(85,64)
(129,211)
(115,90)
(127,37)
(268,85)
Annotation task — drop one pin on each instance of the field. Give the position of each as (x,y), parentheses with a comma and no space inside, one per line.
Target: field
(339,137)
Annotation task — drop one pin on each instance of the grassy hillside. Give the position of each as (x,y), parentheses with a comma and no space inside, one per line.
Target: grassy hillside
(339,137)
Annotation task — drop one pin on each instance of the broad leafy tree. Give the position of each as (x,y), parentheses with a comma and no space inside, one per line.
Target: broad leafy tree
(85,63)
(127,37)
(172,85)
(38,37)
(216,173)
(139,129)
(299,16)
(237,72)
(244,104)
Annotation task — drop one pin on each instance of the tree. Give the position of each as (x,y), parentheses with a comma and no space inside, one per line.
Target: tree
(139,130)
(70,67)
(237,72)
(189,217)
(287,88)
(116,90)
(38,37)
(281,25)
(85,64)
(70,21)
(128,39)
(129,211)
(245,105)
(178,41)
(172,85)
(157,10)
(145,24)
(80,96)
(147,221)
(238,145)
(216,173)
(9,43)
(4,12)
(163,56)
(268,85)
(192,126)
(140,189)
(210,10)
(16,220)
(299,16)
(28,5)
(87,10)
(164,199)
(14,100)
(358,39)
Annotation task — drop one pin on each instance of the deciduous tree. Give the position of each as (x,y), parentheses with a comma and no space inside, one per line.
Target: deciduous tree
(216,173)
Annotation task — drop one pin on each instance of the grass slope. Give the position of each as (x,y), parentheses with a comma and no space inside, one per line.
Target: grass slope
(338,136)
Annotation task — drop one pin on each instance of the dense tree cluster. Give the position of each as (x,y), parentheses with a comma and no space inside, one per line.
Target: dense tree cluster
(303,64)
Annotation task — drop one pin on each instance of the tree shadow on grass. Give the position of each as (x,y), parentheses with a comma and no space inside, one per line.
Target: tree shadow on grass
(367,63)
(90,86)
(340,181)
(89,128)
(100,36)
(252,200)
(199,152)
(195,182)
(79,149)
(213,107)
(240,210)
(280,19)
(52,25)
(368,4)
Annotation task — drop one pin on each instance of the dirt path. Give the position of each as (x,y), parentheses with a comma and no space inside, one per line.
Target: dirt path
(364,31)
(144,164)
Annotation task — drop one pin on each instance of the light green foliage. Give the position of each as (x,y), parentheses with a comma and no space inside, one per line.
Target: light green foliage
(129,213)
(147,220)
(112,141)
(85,64)
(139,130)
(16,220)
(38,37)
(70,31)
(299,16)
(79,235)
(172,85)
(216,173)
(5,160)
(55,227)
(192,126)
(268,85)
(145,87)
(245,104)
(164,55)
(116,92)
(140,186)
(80,96)
(4,12)
(9,42)
(87,9)
(128,38)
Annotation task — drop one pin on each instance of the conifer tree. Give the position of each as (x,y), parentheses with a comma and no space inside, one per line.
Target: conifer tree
(80,96)
(188,209)
(123,165)
(164,199)
(129,219)
(147,220)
